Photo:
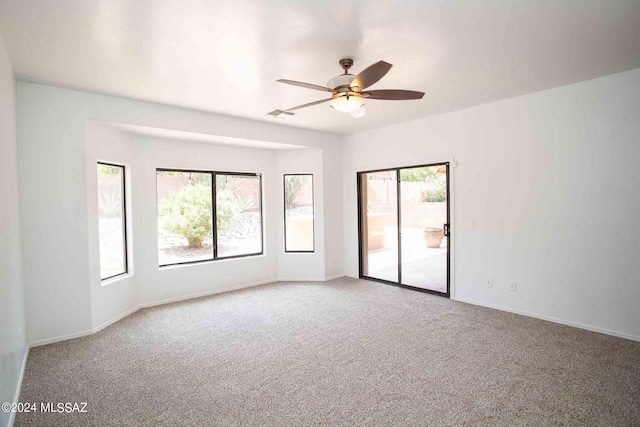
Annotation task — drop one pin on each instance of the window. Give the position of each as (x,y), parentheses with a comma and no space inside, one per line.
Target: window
(185,215)
(298,217)
(238,214)
(195,226)
(112,221)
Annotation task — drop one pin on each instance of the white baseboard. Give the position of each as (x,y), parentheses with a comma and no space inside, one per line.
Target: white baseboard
(115,319)
(60,338)
(138,307)
(551,319)
(176,299)
(310,279)
(16,397)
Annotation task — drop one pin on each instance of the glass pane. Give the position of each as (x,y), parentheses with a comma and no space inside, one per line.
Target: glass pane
(423,210)
(379,193)
(298,202)
(185,217)
(238,215)
(111,221)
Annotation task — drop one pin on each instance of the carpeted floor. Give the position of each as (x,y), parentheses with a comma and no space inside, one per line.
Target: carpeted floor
(345,352)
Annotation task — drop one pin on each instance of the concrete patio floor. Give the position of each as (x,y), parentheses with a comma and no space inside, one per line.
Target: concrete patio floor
(422,267)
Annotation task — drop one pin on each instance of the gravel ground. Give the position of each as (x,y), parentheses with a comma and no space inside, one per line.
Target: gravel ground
(111,247)
(299,211)
(242,237)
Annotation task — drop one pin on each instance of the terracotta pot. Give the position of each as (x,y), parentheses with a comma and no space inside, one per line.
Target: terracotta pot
(433,236)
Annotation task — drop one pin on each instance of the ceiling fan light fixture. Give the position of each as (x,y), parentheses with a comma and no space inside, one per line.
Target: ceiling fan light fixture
(360,112)
(346,103)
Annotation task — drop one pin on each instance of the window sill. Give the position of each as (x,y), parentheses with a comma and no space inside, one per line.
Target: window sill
(210,261)
(116,279)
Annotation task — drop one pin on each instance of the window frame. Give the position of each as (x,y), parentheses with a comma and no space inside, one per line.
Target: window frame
(215,208)
(214,205)
(125,243)
(313,210)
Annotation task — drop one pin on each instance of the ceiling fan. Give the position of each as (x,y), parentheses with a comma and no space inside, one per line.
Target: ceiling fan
(348,91)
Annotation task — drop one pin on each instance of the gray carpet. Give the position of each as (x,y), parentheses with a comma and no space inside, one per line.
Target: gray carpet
(345,352)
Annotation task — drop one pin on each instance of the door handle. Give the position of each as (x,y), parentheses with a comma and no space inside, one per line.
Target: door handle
(445,228)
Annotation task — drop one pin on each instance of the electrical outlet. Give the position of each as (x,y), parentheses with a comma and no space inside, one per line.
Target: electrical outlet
(512,286)
(489,283)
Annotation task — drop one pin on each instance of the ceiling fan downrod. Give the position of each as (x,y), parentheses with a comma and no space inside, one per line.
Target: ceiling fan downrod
(346,63)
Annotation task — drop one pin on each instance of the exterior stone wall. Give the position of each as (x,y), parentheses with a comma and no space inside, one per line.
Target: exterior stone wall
(415,212)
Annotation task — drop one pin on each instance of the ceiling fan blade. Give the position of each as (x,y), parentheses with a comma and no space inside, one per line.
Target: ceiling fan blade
(307,105)
(287,112)
(393,94)
(371,75)
(305,85)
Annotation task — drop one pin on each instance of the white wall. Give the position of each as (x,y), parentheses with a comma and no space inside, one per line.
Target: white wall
(295,266)
(172,282)
(59,271)
(548,177)
(552,180)
(332,215)
(119,296)
(146,282)
(13,343)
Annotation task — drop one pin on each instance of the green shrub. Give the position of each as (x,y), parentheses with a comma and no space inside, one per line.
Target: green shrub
(292,186)
(435,195)
(435,187)
(108,169)
(418,174)
(227,208)
(187,213)
(109,204)
(244,202)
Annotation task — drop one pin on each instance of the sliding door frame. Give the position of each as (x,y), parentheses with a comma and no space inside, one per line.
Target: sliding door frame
(361,275)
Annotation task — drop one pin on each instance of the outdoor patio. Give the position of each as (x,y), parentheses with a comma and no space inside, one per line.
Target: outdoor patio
(421,266)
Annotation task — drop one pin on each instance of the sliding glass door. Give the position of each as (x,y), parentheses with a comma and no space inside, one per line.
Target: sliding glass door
(379,225)
(404,226)
(424,219)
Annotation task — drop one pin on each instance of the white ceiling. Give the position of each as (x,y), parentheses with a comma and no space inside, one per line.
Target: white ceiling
(224,56)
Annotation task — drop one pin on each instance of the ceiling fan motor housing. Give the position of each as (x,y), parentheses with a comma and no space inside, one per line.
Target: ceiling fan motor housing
(341,81)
